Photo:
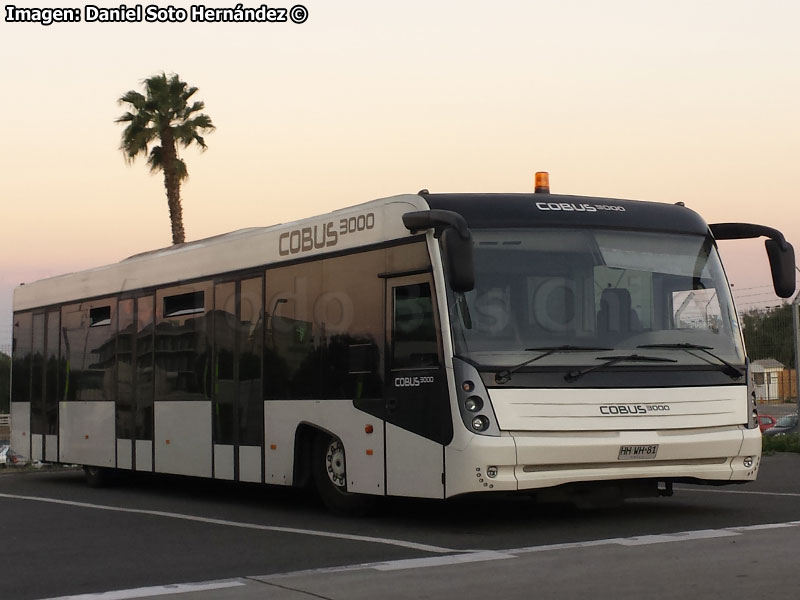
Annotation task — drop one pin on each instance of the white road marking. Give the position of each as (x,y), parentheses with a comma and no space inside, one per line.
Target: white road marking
(467,556)
(751,493)
(439,561)
(210,521)
(685,536)
(664,538)
(162,590)
(485,555)
(746,528)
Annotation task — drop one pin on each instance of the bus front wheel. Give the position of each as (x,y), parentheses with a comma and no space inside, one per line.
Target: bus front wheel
(330,478)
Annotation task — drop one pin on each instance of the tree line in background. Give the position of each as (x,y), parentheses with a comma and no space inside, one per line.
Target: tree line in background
(770,334)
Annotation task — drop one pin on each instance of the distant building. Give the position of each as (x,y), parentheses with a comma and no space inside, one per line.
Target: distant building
(766,374)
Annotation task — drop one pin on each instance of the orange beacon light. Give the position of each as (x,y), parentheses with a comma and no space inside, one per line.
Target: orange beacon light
(542,182)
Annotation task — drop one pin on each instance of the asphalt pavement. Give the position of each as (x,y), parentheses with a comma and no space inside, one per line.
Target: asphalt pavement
(196,539)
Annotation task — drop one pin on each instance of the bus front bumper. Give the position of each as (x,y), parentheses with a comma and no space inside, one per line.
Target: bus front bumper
(531,460)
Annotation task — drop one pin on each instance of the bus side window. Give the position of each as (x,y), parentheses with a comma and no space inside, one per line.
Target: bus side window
(414,344)
(21,365)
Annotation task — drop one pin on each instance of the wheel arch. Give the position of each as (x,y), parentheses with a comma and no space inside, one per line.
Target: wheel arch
(304,437)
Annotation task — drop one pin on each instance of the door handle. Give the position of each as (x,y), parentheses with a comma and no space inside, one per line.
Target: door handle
(391,404)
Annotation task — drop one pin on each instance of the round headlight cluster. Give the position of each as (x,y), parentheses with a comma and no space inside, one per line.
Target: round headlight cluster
(473,404)
(480,423)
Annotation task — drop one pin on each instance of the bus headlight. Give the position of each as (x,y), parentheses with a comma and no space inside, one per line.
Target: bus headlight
(480,423)
(473,400)
(473,404)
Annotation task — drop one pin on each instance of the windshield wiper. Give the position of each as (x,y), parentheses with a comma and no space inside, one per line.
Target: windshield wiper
(612,360)
(505,375)
(728,368)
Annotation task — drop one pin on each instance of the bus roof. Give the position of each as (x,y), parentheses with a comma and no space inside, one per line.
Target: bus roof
(544,210)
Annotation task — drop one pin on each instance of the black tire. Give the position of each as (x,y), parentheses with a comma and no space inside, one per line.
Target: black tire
(96,477)
(329,471)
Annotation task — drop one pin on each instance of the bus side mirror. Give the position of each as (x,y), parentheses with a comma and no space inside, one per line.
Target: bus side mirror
(458,260)
(782,265)
(451,228)
(779,251)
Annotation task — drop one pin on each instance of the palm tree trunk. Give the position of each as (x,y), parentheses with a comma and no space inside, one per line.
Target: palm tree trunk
(172,183)
(175,209)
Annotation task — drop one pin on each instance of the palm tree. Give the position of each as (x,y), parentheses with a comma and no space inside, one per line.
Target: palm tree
(164,114)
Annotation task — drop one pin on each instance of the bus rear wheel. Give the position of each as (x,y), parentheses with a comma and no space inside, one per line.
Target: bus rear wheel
(95,476)
(329,470)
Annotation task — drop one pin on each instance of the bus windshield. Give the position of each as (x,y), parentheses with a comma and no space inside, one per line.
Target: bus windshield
(595,288)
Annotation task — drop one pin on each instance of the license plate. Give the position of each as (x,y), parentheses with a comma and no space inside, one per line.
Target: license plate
(647,452)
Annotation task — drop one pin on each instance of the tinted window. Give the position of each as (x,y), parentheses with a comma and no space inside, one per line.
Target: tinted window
(184,304)
(293,341)
(414,342)
(100,316)
(21,366)
(593,287)
(224,354)
(324,328)
(88,353)
(182,345)
(37,376)
(350,312)
(124,365)
(144,368)
(250,342)
(52,373)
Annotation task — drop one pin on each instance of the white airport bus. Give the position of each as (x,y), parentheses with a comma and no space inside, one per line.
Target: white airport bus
(423,345)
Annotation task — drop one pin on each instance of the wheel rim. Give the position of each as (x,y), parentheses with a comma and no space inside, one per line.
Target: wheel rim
(334,464)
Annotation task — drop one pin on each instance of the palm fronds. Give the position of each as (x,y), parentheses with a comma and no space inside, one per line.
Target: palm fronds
(163,114)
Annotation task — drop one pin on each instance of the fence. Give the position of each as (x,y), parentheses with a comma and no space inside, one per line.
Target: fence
(769,335)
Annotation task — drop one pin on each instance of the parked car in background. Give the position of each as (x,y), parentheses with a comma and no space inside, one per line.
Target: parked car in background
(10,458)
(766,422)
(784,425)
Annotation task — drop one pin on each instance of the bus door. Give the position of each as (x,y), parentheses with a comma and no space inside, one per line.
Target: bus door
(418,418)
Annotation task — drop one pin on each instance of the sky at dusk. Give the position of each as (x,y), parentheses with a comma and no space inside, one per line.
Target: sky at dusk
(682,101)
